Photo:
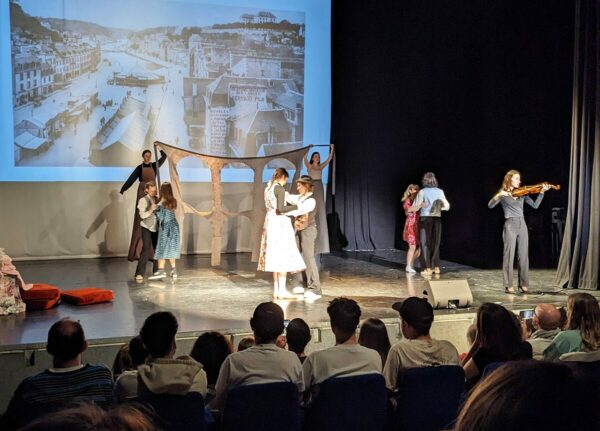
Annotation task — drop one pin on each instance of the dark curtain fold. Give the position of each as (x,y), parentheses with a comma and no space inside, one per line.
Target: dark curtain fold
(580,254)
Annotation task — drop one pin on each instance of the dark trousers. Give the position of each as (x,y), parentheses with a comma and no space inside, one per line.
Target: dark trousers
(148,244)
(431,238)
(516,238)
(306,240)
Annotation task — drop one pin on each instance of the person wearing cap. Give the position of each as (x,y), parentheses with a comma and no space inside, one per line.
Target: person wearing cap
(347,357)
(416,348)
(262,363)
(306,236)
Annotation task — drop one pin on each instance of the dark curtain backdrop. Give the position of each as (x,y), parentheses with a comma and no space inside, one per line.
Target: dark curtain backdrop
(580,255)
(467,89)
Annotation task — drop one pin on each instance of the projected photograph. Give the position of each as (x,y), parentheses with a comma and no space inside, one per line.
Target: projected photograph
(219,80)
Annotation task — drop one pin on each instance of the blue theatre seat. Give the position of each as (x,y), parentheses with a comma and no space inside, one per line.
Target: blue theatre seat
(264,407)
(428,398)
(354,403)
(177,412)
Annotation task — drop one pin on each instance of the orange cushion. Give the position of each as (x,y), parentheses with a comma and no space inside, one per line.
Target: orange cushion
(41,304)
(41,291)
(87,295)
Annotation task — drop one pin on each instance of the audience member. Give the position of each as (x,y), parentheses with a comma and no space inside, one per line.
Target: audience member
(211,349)
(122,361)
(126,384)
(86,417)
(471,334)
(583,328)
(528,395)
(245,343)
(162,373)
(263,362)
(546,325)
(373,335)
(498,339)
(347,357)
(68,380)
(416,348)
(298,335)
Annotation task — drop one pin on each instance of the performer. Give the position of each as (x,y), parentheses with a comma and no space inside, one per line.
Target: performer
(146,208)
(168,243)
(515,233)
(278,250)
(432,201)
(411,225)
(144,173)
(306,236)
(315,168)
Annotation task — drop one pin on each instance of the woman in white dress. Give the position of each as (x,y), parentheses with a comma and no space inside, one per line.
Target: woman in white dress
(315,168)
(279,253)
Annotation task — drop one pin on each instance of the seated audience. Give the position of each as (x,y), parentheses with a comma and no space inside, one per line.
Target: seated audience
(211,349)
(499,339)
(416,348)
(471,333)
(546,325)
(245,343)
(88,417)
(263,362)
(298,335)
(68,380)
(126,384)
(582,333)
(122,361)
(162,373)
(529,395)
(373,335)
(347,357)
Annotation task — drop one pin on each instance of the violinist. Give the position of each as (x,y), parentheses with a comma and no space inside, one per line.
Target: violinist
(515,230)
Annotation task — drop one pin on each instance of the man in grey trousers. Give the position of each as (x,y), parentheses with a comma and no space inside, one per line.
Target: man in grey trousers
(306,236)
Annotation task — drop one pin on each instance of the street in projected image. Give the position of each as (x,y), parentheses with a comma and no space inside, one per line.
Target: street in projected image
(90,94)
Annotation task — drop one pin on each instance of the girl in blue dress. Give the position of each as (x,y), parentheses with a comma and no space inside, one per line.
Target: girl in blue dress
(168,243)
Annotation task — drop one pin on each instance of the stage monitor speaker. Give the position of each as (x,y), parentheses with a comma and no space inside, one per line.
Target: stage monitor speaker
(448,293)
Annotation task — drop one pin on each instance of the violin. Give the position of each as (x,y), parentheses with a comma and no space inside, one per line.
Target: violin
(532,190)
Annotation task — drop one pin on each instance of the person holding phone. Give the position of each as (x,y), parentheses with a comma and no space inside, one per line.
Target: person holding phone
(545,321)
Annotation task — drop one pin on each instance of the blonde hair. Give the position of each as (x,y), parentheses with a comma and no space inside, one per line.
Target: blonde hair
(507,178)
(407,192)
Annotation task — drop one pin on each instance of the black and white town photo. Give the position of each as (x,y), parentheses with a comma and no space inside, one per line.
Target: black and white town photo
(96,94)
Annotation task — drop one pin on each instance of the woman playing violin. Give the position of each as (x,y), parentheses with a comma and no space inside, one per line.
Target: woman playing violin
(515,234)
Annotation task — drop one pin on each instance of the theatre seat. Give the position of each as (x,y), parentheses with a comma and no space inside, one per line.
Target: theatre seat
(87,295)
(176,412)
(41,296)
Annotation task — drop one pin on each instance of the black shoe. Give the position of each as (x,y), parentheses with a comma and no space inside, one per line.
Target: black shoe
(523,290)
(507,290)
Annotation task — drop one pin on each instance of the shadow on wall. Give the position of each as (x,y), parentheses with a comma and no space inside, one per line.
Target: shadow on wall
(115,216)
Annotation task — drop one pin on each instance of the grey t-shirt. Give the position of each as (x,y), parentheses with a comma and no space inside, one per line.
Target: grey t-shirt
(417,353)
(514,207)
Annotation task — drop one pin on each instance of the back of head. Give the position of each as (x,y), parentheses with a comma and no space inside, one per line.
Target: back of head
(429,180)
(158,333)
(280,173)
(497,330)
(137,351)
(298,335)
(267,322)
(245,343)
(344,315)
(373,335)
(583,313)
(548,317)
(211,349)
(416,312)
(122,361)
(66,340)
(527,395)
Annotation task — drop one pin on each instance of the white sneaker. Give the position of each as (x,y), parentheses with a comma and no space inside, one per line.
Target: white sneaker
(158,275)
(410,269)
(139,277)
(173,273)
(298,290)
(310,295)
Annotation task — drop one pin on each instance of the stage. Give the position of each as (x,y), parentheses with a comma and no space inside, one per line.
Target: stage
(223,298)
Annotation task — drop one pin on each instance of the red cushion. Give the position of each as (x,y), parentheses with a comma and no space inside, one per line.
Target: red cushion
(41,291)
(87,295)
(41,304)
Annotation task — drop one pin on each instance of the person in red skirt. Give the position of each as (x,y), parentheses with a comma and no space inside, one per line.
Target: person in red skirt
(411,225)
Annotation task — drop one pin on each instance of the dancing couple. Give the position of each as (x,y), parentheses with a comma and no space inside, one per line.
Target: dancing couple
(279,253)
